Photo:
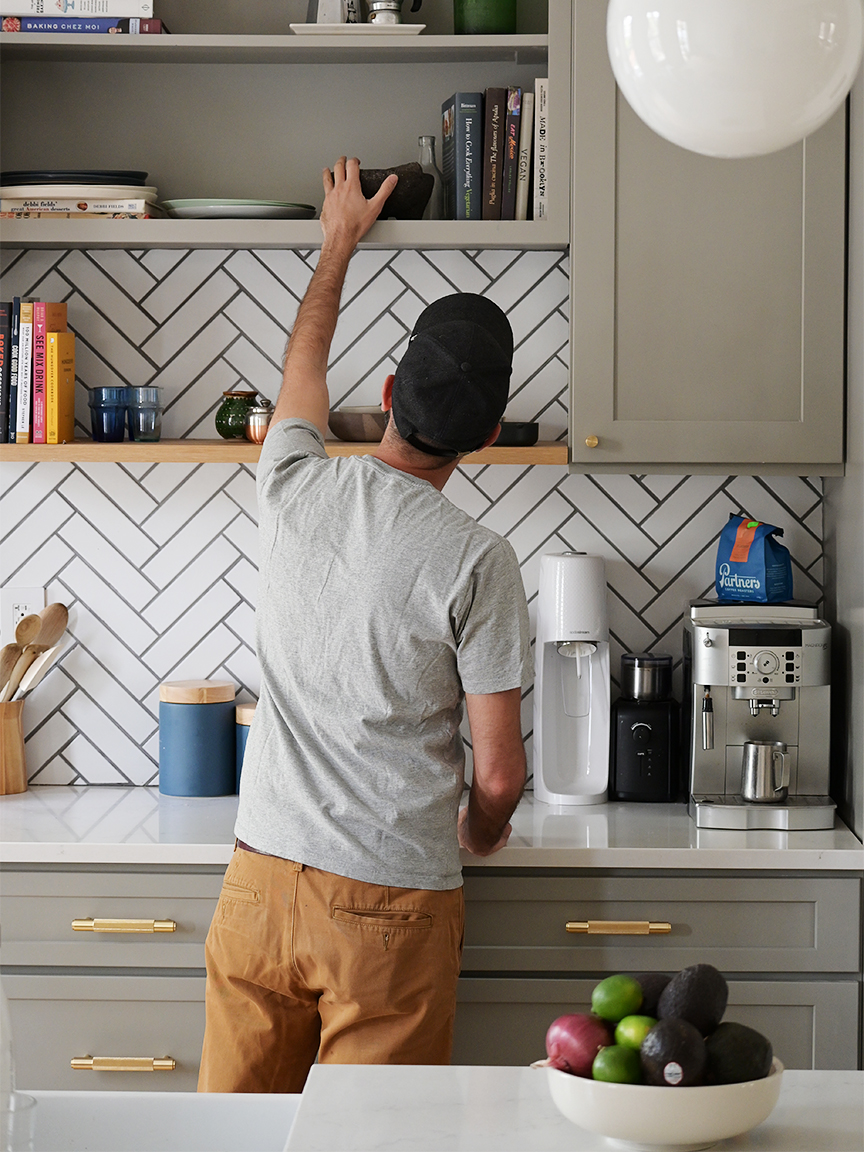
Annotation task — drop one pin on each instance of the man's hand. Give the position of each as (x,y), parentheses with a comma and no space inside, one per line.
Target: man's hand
(347,215)
(469,845)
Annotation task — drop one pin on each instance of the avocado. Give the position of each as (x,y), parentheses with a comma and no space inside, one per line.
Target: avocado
(652,984)
(673,1054)
(737,1053)
(698,994)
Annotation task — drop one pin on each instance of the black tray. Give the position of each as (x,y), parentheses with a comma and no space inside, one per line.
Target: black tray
(516,435)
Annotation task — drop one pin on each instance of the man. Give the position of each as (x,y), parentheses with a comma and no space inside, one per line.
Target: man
(382,607)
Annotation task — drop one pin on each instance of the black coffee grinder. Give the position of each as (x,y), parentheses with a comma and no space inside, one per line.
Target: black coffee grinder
(644,731)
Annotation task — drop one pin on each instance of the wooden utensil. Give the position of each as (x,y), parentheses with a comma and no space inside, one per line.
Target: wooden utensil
(36,671)
(13,768)
(28,628)
(54,620)
(8,656)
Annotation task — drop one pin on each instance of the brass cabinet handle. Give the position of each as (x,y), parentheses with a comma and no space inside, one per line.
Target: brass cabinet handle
(591,441)
(112,925)
(123,1063)
(619,927)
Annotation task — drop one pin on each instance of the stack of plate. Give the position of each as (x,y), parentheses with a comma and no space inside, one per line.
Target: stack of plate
(64,193)
(222,209)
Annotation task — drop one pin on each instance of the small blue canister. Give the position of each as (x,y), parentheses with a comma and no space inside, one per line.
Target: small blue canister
(244,714)
(197,750)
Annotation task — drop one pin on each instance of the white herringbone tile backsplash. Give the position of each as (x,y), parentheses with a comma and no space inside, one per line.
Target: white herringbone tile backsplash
(158,562)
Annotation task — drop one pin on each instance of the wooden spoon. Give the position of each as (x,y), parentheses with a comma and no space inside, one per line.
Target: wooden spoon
(8,656)
(36,671)
(54,620)
(28,628)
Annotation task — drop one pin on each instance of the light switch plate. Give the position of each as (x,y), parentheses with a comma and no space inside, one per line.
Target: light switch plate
(16,603)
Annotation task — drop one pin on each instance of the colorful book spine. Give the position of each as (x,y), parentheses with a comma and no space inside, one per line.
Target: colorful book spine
(541,146)
(526,136)
(47,205)
(511,154)
(25,369)
(461,155)
(60,388)
(46,318)
(14,344)
(76,8)
(98,25)
(494,115)
(5,341)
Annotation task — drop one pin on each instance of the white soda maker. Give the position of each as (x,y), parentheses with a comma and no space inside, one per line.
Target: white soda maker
(571,684)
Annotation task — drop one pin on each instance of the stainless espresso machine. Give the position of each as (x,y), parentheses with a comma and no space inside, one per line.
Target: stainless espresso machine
(757,689)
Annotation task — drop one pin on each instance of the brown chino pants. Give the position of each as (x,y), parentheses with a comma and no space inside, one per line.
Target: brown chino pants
(302,962)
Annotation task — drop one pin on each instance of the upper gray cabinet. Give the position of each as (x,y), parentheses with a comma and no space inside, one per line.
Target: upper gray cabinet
(707,295)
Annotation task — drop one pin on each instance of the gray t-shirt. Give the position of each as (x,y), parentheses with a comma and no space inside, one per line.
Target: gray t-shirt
(380,605)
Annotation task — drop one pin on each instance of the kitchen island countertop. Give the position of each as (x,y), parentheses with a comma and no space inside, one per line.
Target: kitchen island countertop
(136,825)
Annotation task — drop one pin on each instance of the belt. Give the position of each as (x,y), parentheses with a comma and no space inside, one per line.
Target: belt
(248,848)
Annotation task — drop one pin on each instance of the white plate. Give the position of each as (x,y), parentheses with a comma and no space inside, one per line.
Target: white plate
(74,191)
(237,210)
(354,29)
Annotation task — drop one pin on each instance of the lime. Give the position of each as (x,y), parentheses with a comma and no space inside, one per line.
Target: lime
(617,1065)
(616,997)
(632,1030)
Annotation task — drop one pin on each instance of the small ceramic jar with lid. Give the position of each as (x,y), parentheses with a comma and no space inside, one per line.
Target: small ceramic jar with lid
(231,414)
(258,420)
(197,741)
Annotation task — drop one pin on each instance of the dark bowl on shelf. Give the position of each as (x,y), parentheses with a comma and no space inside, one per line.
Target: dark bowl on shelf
(408,199)
(515,434)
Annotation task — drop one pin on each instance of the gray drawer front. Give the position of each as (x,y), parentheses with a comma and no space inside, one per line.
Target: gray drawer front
(740,924)
(57,1018)
(38,909)
(810,1024)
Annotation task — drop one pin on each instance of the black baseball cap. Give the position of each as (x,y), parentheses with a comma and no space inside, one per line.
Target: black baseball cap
(451,386)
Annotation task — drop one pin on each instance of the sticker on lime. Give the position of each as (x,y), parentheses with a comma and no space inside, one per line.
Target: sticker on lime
(616,997)
(673,1073)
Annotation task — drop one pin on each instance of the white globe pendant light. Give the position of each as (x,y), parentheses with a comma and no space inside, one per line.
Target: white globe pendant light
(735,77)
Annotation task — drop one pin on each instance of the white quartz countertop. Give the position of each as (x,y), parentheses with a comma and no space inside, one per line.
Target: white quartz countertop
(369,1108)
(108,825)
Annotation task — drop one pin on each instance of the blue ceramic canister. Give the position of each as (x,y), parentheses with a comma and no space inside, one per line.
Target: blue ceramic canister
(243,714)
(197,749)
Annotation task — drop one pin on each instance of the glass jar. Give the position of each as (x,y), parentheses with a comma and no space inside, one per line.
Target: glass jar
(231,414)
(108,413)
(434,209)
(144,413)
(484,17)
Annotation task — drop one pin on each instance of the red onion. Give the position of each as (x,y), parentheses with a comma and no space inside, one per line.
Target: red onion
(573,1041)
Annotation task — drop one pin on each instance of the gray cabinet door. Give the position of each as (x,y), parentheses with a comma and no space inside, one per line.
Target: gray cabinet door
(707,294)
(812,1024)
(56,1019)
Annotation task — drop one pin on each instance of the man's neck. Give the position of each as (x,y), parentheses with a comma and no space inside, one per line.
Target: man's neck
(436,475)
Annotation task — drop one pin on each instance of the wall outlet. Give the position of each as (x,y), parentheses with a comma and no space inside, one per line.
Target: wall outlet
(15,603)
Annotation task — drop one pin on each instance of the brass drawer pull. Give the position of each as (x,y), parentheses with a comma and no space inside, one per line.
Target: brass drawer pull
(123,1063)
(109,925)
(619,927)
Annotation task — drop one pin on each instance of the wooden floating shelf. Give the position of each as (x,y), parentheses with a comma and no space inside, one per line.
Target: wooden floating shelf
(191,451)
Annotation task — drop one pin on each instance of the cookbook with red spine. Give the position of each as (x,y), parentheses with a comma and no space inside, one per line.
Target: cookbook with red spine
(46,318)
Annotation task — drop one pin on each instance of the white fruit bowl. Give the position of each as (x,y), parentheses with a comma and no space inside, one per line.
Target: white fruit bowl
(642,1117)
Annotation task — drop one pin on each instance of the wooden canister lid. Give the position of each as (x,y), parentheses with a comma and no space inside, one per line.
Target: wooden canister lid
(197,691)
(244,713)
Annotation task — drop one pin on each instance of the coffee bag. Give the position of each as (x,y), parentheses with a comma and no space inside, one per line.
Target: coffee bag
(751,564)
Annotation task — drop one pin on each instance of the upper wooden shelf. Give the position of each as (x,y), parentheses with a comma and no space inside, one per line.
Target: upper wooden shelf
(341,49)
(192,451)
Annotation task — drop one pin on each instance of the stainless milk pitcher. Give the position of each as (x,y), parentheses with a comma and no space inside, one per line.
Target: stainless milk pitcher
(761,782)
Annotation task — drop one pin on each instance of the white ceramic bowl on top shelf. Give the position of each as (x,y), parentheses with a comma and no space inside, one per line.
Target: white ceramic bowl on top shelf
(644,1118)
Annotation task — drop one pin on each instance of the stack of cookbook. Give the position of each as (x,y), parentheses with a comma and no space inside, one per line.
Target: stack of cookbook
(92,193)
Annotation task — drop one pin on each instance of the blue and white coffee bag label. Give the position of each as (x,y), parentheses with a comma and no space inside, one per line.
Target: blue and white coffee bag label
(751,564)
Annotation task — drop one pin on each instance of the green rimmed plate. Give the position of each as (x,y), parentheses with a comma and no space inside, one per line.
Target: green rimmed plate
(222,209)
